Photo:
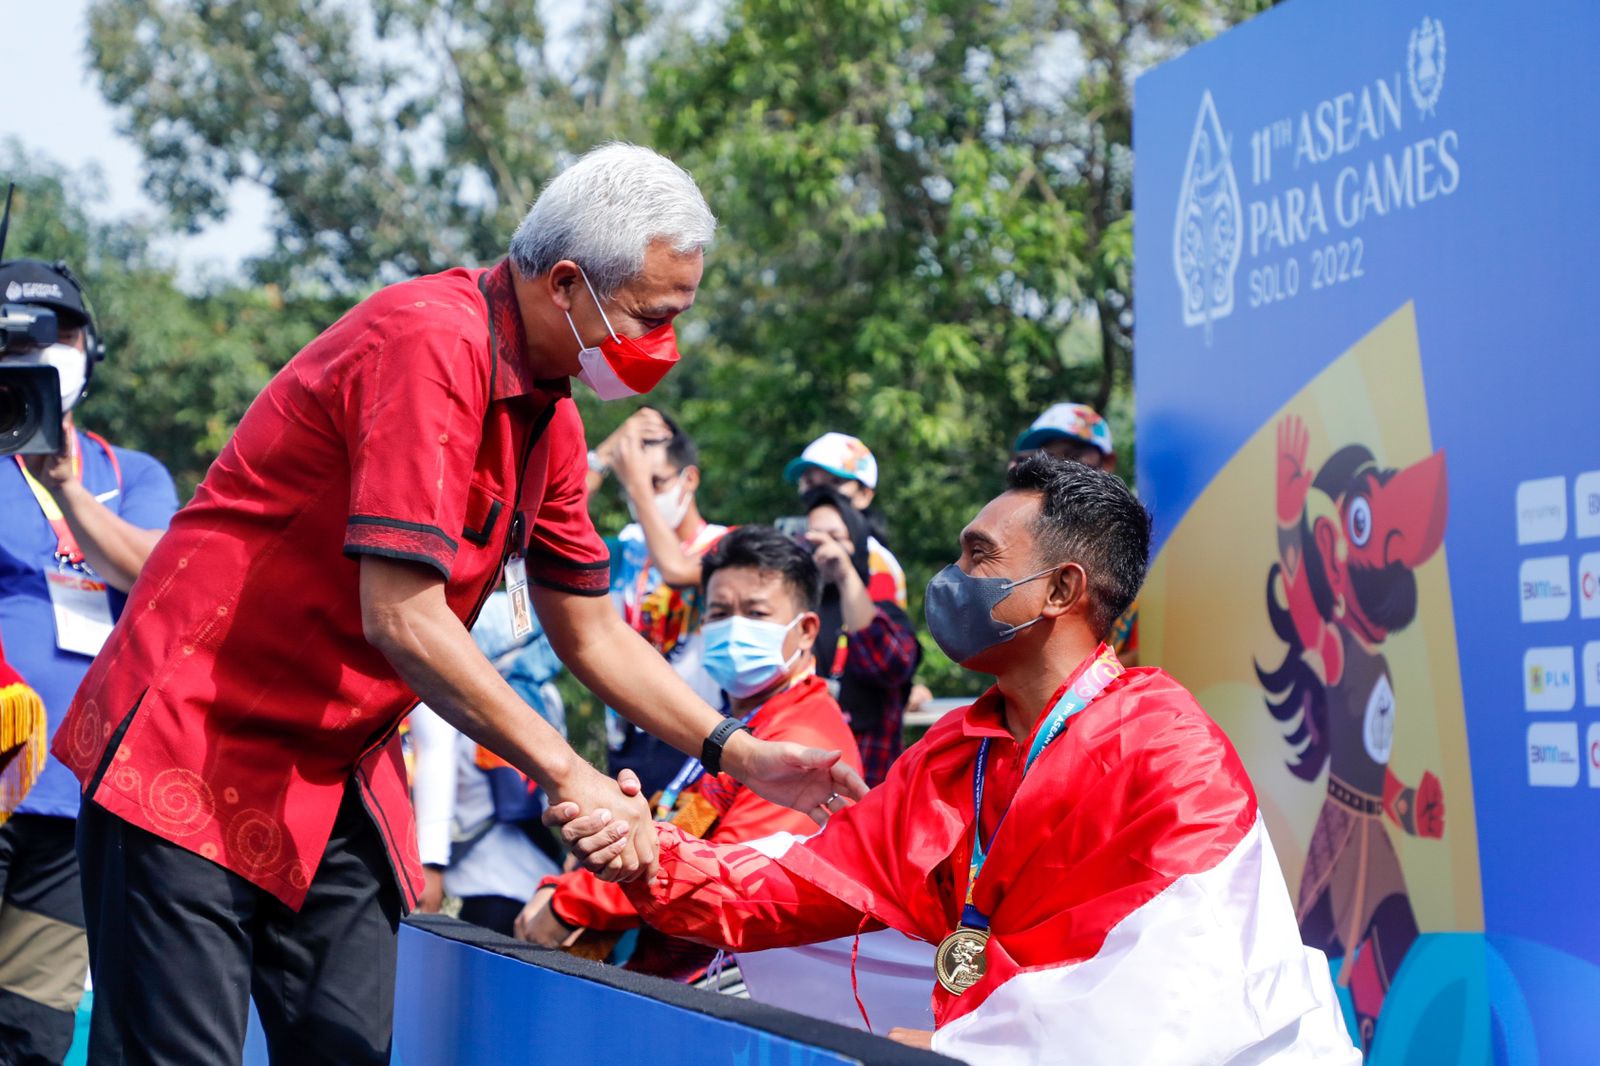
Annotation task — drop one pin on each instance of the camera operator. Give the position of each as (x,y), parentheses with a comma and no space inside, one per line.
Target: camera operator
(75,528)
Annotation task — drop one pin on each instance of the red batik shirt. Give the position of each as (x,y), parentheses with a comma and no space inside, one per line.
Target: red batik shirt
(238,695)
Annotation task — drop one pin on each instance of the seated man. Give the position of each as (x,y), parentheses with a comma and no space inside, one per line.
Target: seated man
(761,592)
(1131,912)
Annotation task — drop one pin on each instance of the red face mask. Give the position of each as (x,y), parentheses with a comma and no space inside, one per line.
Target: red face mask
(625,366)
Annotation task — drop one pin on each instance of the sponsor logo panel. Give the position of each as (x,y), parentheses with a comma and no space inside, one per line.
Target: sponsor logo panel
(1542,510)
(1553,759)
(1549,679)
(1586,504)
(1544,586)
(1589,586)
(1591,751)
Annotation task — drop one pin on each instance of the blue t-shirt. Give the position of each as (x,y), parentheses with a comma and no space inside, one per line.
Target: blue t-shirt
(145,498)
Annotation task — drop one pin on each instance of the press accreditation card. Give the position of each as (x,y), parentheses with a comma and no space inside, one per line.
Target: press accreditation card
(83,612)
(517,593)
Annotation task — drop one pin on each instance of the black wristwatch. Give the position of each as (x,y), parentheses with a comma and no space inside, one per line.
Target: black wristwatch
(711,750)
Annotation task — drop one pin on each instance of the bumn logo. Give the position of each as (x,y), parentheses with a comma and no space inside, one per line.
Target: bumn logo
(1586,504)
(1553,754)
(1425,65)
(1208,238)
(1545,586)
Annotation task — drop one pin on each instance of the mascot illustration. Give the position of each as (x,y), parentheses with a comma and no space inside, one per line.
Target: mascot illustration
(1349,541)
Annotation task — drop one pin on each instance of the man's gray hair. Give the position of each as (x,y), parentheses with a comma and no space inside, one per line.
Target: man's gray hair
(604,211)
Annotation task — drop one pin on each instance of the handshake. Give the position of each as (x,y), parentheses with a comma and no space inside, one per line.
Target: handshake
(608,826)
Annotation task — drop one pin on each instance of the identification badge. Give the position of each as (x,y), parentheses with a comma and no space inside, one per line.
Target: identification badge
(959,963)
(517,593)
(83,612)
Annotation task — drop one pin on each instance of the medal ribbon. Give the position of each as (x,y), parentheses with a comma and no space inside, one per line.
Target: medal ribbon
(1090,684)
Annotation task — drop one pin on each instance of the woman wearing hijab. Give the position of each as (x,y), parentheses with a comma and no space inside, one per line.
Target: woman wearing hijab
(866,649)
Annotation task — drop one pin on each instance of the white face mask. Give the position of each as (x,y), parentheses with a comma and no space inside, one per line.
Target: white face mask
(673,504)
(71,366)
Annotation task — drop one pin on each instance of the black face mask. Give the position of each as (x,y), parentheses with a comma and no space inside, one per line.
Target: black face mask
(960,611)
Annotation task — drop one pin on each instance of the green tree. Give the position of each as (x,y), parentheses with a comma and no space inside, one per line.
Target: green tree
(925,204)
(181,367)
(926,236)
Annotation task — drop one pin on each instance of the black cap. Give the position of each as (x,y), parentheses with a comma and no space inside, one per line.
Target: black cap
(32,281)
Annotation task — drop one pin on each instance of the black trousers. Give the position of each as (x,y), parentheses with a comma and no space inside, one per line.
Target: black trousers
(178,946)
(43,956)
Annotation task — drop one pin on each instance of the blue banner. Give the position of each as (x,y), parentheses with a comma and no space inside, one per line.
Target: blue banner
(1367,389)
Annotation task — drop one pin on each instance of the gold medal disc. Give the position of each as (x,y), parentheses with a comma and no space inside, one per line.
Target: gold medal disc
(959,963)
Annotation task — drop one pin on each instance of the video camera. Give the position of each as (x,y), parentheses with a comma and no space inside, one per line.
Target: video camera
(30,393)
(40,301)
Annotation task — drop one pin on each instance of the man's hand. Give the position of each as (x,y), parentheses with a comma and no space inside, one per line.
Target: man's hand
(630,463)
(833,562)
(623,847)
(538,924)
(921,1038)
(432,890)
(817,782)
(54,471)
(646,423)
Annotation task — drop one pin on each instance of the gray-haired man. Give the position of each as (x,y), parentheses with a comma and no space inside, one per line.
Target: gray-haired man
(247,829)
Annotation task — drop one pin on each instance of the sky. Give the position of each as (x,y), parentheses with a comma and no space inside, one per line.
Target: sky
(66,120)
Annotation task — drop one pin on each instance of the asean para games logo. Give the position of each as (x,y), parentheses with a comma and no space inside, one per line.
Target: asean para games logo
(1425,65)
(1208,238)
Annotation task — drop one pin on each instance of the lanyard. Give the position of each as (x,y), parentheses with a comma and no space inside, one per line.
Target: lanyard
(67,550)
(1101,672)
(691,772)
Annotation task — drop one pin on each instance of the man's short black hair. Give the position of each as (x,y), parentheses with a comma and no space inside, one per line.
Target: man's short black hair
(1092,518)
(764,548)
(681,450)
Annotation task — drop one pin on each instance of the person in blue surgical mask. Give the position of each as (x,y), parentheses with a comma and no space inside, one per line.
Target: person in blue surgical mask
(761,600)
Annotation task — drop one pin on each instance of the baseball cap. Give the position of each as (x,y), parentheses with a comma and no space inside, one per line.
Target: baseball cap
(32,281)
(1077,421)
(840,455)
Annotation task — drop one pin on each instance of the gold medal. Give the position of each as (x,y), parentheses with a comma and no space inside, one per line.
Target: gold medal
(960,963)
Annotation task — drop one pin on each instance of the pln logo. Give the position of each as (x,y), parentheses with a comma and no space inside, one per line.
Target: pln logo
(1550,679)
(1208,238)
(1425,65)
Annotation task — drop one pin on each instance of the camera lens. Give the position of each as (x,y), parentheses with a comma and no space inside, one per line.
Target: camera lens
(18,421)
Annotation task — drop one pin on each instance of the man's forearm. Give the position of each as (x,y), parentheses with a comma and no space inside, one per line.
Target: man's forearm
(434,654)
(623,670)
(736,898)
(115,548)
(677,567)
(856,607)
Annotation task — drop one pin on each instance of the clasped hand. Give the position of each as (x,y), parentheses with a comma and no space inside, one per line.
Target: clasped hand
(618,848)
(619,842)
